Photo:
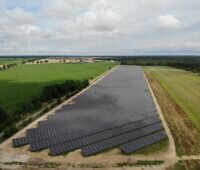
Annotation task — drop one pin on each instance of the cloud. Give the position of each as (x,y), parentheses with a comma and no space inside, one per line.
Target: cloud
(101,17)
(99,26)
(154,3)
(63,10)
(168,22)
(29,29)
(19,15)
(57,9)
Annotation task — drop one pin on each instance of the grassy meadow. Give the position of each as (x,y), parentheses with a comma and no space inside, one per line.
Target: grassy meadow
(21,82)
(183,87)
(178,94)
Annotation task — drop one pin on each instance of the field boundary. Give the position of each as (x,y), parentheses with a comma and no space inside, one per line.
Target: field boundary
(44,117)
(172,149)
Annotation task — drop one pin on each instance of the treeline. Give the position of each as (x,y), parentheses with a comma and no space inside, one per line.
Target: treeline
(34,103)
(7,66)
(186,63)
(32,60)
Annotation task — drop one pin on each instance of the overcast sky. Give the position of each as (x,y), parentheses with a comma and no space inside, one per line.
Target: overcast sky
(99,27)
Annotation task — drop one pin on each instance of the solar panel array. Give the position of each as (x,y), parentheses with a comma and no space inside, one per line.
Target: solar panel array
(71,145)
(143,142)
(116,111)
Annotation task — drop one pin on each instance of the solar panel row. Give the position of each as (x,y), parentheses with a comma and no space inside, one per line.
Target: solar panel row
(55,129)
(62,120)
(19,142)
(49,133)
(72,145)
(119,140)
(67,136)
(143,142)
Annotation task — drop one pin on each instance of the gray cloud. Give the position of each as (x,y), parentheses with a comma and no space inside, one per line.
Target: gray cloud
(99,26)
(168,22)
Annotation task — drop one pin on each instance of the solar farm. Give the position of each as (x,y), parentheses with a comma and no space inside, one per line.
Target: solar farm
(117,111)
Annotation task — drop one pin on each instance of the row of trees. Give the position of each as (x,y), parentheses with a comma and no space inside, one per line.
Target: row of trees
(41,62)
(48,94)
(186,63)
(30,61)
(4,117)
(7,66)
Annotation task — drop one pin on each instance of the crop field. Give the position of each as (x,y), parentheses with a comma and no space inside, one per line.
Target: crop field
(183,87)
(11,61)
(178,93)
(21,82)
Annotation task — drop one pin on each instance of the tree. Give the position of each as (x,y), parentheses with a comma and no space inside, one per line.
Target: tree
(10,131)
(3,115)
(3,118)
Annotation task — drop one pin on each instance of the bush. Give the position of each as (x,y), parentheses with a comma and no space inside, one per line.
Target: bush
(59,90)
(59,101)
(3,118)
(11,65)
(3,115)
(46,110)
(9,131)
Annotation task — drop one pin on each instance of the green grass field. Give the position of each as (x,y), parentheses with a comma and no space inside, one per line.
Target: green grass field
(21,82)
(18,61)
(183,87)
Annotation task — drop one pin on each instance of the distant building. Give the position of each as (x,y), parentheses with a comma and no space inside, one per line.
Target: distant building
(61,60)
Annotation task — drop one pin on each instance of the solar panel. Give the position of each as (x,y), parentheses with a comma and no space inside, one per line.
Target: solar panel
(118,140)
(20,142)
(143,142)
(74,144)
(80,133)
(54,129)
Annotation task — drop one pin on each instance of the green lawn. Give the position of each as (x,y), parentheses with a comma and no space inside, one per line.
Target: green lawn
(21,82)
(183,87)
